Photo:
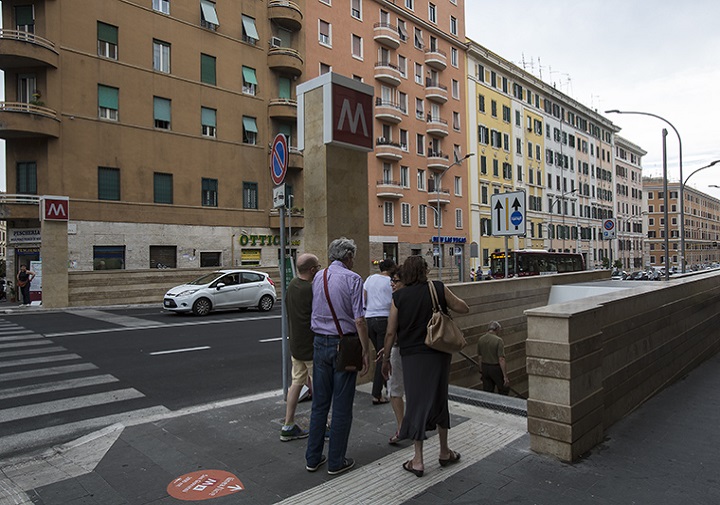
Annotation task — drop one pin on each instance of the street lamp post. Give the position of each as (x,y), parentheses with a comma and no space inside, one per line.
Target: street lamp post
(439,215)
(680,163)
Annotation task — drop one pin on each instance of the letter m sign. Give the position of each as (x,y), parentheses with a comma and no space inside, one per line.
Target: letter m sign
(54,208)
(352,120)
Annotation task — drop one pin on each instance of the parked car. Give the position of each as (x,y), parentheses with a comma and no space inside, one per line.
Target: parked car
(223,289)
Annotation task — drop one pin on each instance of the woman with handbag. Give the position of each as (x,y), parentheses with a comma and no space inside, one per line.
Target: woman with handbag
(426,370)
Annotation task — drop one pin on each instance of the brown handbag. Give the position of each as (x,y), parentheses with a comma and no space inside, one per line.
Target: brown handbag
(350,352)
(443,334)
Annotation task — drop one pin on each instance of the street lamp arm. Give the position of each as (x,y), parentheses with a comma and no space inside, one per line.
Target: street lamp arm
(698,170)
(616,111)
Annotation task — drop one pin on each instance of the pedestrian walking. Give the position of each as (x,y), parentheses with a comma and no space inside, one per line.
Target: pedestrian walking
(378,298)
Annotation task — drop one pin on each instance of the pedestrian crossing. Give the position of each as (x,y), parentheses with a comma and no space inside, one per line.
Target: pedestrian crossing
(49,395)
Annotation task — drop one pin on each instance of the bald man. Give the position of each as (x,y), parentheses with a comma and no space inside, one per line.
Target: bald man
(299,309)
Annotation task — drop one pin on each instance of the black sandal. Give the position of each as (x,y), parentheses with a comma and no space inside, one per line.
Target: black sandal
(408,466)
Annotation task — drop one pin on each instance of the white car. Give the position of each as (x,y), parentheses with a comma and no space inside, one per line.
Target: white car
(223,289)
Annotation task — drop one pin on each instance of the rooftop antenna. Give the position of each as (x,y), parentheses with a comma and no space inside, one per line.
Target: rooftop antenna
(540,68)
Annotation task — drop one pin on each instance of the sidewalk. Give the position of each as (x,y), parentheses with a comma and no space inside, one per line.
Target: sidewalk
(664,453)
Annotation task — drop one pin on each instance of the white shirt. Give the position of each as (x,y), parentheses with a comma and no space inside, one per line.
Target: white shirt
(378,295)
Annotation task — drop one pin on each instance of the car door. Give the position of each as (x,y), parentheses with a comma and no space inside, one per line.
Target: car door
(226,292)
(251,283)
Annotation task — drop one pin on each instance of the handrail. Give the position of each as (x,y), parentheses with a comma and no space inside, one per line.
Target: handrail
(429,83)
(285,50)
(381,64)
(431,119)
(284,3)
(389,183)
(283,101)
(24,36)
(21,199)
(436,50)
(386,25)
(27,108)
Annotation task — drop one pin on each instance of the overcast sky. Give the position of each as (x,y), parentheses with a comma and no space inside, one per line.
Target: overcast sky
(656,56)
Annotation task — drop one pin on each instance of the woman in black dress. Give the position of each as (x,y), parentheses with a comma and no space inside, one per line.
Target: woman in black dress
(426,371)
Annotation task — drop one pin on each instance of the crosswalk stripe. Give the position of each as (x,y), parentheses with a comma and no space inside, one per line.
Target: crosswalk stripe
(25,344)
(22,337)
(14,331)
(35,361)
(51,407)
(36,389)
(25,374)
(27,352)
(21,441)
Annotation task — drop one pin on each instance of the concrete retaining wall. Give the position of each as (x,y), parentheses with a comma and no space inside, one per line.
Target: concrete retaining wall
(593,361)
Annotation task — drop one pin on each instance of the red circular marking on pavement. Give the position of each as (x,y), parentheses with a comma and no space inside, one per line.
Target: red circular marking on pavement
(204,485)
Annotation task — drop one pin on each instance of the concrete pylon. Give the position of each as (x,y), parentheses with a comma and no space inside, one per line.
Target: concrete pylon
(54,215)
(335,130)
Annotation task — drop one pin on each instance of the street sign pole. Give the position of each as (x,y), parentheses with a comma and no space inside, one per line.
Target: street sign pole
(283,305)
(507,257)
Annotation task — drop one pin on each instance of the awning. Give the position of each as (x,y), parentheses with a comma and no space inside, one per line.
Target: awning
(249,75)
(250,29)
(208,10)
(162,108)
(108,97)
(207,116)
(249,124)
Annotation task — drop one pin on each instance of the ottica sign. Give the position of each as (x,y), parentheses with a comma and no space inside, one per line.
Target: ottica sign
(54,208)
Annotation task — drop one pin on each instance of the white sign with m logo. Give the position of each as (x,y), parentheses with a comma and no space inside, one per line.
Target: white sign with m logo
(54,208)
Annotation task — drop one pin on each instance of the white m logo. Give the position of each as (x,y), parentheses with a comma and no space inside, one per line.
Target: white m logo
(358,118)
(56,210)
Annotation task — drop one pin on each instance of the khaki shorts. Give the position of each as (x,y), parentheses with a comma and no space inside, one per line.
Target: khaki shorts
(300,371)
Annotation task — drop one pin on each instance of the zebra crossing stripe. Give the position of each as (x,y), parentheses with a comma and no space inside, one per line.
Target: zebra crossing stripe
(38,361)
(51,407)
(27,374)
(28,352)
(25,344)
(36,389)
(32,336)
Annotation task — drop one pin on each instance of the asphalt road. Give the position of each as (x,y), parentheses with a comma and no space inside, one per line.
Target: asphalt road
(64,374)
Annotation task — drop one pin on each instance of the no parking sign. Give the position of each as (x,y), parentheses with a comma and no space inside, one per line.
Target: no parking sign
(609,229)
(279,159)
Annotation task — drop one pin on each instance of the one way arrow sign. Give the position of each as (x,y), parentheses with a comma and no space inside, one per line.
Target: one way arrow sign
(508,213)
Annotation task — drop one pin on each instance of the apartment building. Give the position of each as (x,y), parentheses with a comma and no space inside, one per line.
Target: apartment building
(555,149)
(702,225)
(155,118)
(412,52)
(629,199)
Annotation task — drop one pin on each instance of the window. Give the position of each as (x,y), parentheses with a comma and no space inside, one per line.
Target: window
(108,183)
(208,15)
(249,81)
(418,73)
(458,218)
(456,89)
(421,179)
(405,214)
(402,66)
(249,130)
(162,188)
(209,192)
(388,213)
(420,140)
(207,69)
(161,112)
(108,102)
(481,103)
(419,108)
(107,37)
(250,195)
(422,215)
(25,18)
(108,257)
(453,25)
(432,13)
(357,46)
(284,87)
(419,38)
(325,68)
(249,32)
(454,57)
(402,30)
(356,9)
(405,177)
(324,33)
(458,185)
(26,181)
(208,119)
(484,194)
(161,6)
(410,4)
(163,256)
(161,56)
(456,121)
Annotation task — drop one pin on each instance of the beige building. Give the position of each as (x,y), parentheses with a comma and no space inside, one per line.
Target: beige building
(629,201)
(412,53)
(155,118)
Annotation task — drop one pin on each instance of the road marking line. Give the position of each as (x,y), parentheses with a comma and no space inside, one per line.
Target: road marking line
(109,317)
(22,337)
(35,361)
(48,387)
(158,326)
(187,349)
(51,407)
(36,350)
(276,339)
(42,372)
(39,341)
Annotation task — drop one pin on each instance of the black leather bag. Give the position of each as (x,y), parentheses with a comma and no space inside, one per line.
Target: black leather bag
(350,352)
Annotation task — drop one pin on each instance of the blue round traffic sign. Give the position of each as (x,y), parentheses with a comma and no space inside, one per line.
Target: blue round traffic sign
(516,218)
(609,224)
(279,159)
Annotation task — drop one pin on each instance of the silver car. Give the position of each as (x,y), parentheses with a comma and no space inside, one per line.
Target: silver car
(223,289)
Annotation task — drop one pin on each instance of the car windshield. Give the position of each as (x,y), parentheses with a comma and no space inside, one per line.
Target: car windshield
(205,279)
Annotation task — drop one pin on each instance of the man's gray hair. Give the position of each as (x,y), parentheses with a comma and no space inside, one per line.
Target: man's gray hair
(340,248)
(494,326)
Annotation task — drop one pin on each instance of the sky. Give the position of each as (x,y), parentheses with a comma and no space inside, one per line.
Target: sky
(655,56)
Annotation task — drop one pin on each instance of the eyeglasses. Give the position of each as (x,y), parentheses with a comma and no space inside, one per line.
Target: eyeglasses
(394,281)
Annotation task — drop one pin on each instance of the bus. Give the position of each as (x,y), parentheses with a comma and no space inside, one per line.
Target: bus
(528,262)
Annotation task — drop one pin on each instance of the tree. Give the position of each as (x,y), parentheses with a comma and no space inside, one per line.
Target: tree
(618,264)
(606,262)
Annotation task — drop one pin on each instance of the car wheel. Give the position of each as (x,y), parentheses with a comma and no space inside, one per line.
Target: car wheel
(201,307)
(266,303)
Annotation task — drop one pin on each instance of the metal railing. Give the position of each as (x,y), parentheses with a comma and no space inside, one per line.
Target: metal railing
(24,36)
(28,108)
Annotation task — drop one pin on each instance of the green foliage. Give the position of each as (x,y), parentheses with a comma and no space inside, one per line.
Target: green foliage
(606,262)
(618,264)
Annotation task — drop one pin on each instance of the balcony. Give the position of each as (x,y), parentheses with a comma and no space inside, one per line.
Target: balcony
(296,159)
(435,58)
(387,35)
(23,49)
(293,218)
(389,189)
(24,120)
(286,14)
(436,160)
(435,92)
(388,111)
(388,150)
(285,60)
(437,127)
(441,197)
(388,73)
(282,108)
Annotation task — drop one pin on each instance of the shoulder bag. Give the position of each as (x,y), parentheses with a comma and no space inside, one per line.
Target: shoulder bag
(443,334)
(350,353)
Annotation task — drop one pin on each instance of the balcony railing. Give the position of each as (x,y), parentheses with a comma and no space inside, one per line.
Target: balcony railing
(24,36)
(28,108)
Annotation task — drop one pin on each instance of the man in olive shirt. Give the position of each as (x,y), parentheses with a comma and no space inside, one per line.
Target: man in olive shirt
(491,353)
(299,309)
